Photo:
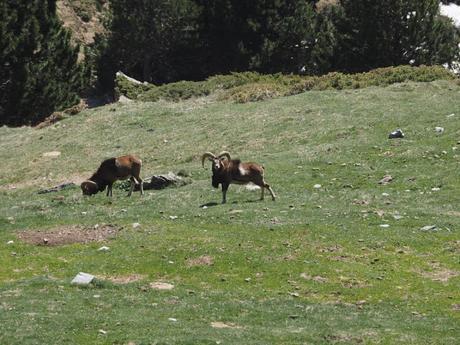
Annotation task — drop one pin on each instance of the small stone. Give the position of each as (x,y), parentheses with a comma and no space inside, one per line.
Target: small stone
(82,279)
(396,134)
(136,225)
(294,294)
(435,189)
(45,241)
(429,228)
(52,154)
(384,225)
(172,319)
(385,194)
(84,213)
(439,130)
(386,179)
(10,242)
(204,207)
(103,249)
(247,280)
(173,217)
(317,186)
(101,331)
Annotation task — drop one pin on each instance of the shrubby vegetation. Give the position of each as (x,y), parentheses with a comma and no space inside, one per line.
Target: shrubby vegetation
(251,86)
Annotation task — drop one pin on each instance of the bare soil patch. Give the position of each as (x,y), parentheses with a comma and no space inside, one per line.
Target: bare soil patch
(69,234)
(219,324)
(440,274)
(161,286)
(131,278)
(204,260)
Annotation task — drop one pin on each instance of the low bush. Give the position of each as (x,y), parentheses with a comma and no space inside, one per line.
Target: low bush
(252,86)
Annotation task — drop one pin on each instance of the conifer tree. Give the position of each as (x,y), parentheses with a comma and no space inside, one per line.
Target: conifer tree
(394,32)
(39,69)
(263,35)
(148,39)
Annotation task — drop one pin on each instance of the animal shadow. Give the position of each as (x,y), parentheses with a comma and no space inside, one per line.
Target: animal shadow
(209,204)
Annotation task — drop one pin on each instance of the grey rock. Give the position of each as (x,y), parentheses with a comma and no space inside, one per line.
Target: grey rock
(82,279)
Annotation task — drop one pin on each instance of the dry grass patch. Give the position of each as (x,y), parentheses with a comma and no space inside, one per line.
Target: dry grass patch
(221,325)
(161,286)
(68,235)
(204,260)
(126,279)
(440,274)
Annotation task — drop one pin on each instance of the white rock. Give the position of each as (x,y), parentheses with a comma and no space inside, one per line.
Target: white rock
(123,99)
(82,279)
(317,186)
(439,130)
(101,331)
(10,242)
(435,189)
(172,319)
(136,225)
(384,225)
(385,194)
(103,249)
(172,217)
(429,228)
(84,213)
(52,154)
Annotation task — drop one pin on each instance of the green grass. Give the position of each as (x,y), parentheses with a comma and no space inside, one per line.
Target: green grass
(314,267)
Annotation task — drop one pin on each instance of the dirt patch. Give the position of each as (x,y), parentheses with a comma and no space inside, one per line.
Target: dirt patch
(161,286)
(332,249)
(317,279)
(204,260)
(440,274)
(131,278)
(69,234)
(221,325)
(343,338)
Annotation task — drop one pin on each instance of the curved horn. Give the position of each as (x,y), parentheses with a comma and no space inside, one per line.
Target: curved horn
(207,155)
(224,154)
(89,187)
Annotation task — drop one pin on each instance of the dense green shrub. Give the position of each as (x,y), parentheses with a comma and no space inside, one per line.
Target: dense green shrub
(252,86)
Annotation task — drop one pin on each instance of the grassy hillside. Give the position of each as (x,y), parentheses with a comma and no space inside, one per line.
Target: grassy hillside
(315,267)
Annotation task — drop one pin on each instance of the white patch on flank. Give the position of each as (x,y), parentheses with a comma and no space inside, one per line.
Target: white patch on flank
(242,170)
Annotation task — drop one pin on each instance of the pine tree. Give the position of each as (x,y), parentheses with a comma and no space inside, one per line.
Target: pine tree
(393,32)
(148,39)
(40,72)
(263,35)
